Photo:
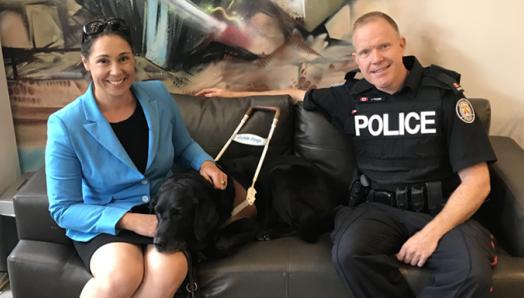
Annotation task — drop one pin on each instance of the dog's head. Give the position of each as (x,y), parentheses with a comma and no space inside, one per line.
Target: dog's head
(186,211)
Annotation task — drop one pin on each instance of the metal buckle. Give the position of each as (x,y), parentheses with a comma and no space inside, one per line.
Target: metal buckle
(383,197)
(191,287)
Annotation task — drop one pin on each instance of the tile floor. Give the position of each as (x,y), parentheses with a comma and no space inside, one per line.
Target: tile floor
(5,291)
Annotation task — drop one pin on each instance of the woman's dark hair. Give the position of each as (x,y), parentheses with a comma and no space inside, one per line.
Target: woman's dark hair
(96,28)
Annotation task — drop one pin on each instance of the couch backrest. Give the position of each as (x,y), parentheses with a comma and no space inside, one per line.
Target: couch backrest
(308,134)
(211,122)
(317,140)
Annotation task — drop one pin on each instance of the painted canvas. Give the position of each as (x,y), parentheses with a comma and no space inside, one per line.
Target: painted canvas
(189,45)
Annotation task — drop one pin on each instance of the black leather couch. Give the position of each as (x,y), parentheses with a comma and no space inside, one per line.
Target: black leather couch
(44,263)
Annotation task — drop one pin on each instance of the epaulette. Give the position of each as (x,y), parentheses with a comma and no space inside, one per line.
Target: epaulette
(449,78)
(350,76)
(356,85)
(453,74)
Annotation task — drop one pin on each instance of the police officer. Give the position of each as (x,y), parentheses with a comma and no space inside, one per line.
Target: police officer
(422,158)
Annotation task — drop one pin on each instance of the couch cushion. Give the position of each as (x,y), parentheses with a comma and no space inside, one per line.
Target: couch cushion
(211,123)
(285,267)
(294,268)
(280,268)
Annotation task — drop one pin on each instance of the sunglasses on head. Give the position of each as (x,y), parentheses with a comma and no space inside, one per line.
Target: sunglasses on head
(108,25)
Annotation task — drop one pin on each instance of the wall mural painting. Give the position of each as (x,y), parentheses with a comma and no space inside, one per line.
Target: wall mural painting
(238,44)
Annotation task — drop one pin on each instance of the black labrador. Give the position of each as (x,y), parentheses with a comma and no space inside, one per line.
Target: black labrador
(191,214)
(293,196)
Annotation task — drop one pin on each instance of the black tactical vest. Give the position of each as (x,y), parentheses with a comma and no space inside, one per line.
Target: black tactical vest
(400,139)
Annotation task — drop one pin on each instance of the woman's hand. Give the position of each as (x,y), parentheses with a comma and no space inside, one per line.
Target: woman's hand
(213,174)
(141,224)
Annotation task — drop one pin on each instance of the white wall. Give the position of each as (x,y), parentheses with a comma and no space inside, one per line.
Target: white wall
(9,168)
(481,39)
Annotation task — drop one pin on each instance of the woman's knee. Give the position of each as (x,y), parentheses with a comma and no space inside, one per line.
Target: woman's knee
(169,270)
(117,269)
(121,283)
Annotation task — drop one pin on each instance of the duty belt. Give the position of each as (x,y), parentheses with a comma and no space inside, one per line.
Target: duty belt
(422,197)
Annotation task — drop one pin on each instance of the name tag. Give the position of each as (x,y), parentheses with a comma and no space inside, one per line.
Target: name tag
(250,139)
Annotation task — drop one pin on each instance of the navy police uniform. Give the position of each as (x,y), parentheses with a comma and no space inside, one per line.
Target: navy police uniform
(409,147)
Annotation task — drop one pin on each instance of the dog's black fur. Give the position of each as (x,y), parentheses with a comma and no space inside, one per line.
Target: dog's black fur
(300,197)
(190,214)
(293,195)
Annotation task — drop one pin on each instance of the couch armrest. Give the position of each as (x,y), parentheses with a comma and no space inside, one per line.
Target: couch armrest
(33,220)
(503,213)
(483,110)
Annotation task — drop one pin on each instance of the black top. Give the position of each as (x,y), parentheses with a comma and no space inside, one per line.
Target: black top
(426,131)
(133,134)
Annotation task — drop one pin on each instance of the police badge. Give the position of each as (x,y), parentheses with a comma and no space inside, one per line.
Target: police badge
(465,110)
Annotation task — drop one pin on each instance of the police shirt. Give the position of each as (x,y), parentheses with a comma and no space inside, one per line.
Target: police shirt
(427,131)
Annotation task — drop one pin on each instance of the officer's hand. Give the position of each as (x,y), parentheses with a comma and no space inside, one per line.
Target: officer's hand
(215,92)
(418,248)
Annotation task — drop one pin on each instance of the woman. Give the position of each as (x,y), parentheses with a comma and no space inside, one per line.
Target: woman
(107,154)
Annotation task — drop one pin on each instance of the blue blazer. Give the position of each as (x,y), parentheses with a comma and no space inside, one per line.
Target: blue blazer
(91,181)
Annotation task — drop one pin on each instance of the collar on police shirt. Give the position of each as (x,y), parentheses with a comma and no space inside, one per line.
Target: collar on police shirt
(412,81)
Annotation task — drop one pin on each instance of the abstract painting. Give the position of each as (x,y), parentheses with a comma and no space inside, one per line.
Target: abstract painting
(189,45)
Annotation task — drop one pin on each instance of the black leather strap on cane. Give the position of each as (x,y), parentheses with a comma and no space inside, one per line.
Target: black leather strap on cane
(191,284)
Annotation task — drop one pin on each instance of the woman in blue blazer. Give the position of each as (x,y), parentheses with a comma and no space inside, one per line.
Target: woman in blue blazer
(107,153)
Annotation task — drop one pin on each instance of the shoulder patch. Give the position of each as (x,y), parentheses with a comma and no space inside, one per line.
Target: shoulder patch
(464,110)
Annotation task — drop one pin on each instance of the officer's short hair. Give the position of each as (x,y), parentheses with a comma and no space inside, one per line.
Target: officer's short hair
(371,16)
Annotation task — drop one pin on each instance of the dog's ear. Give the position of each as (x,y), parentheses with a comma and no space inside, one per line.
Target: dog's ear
(154,201)
(206,218)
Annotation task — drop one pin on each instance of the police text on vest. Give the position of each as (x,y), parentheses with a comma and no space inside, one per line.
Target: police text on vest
(411,123)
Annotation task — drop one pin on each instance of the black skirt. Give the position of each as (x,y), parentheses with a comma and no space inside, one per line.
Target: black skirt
(86,249)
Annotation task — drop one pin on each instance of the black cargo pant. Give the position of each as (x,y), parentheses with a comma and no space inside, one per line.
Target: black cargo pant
(366,239)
